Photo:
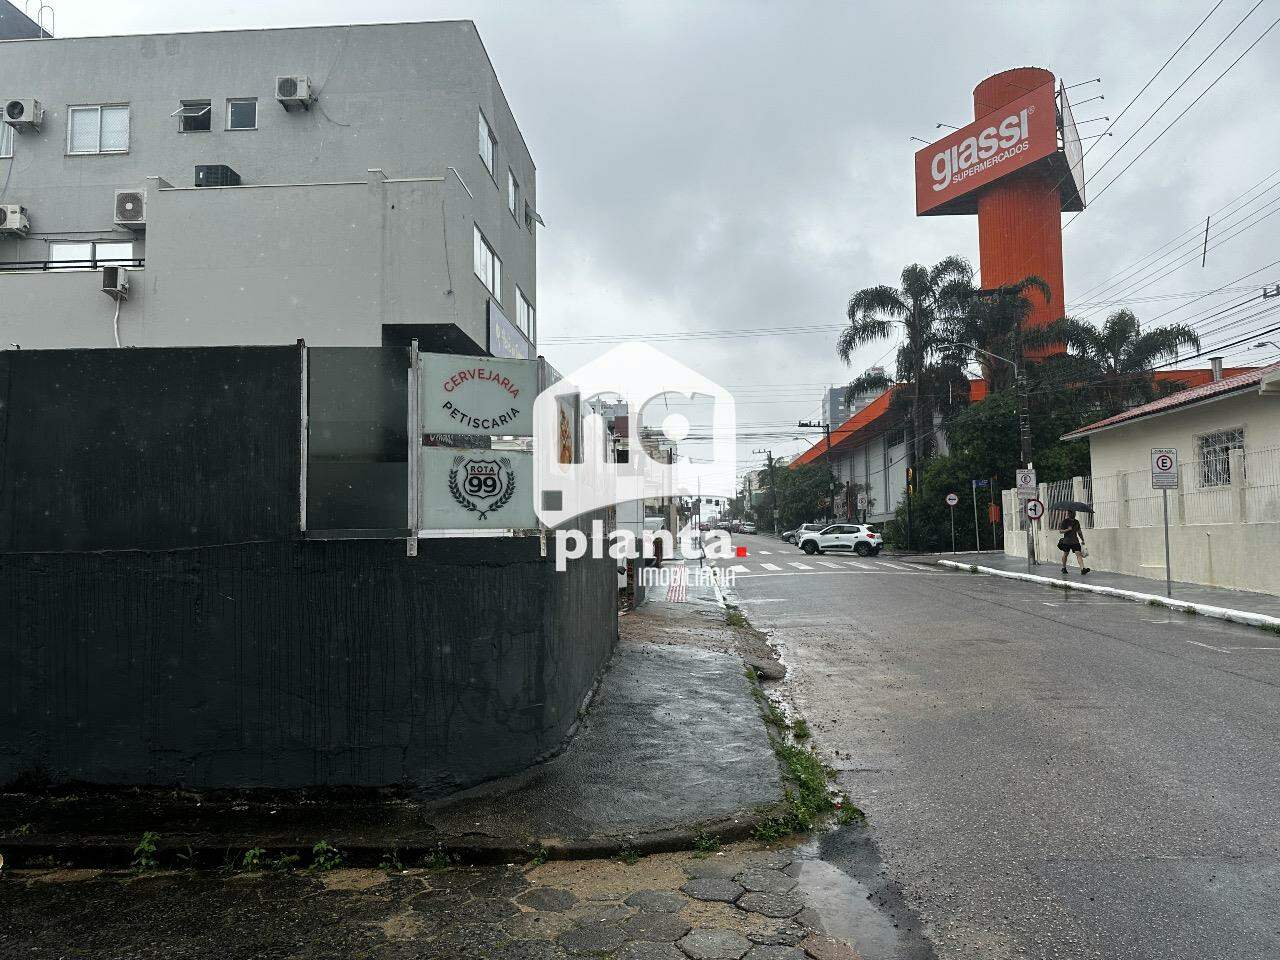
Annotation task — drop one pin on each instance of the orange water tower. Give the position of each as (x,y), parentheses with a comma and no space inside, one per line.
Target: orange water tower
(1018,166)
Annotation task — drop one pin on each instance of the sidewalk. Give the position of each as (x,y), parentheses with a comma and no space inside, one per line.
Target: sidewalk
(1201,597)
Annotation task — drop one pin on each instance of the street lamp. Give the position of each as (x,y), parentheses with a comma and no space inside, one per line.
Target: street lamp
(1024,423)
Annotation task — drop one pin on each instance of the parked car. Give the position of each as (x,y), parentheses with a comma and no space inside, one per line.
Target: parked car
(840,537)
(703,527)
(748,527)
(735,526)
(791,535)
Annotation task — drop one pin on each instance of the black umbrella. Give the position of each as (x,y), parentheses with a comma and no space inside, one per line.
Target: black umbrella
(1075,505)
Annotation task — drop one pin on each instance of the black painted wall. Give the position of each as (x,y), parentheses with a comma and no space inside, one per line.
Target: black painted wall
(147,448)
(130,654)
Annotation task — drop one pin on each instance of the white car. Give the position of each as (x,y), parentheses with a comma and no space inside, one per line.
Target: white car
(748,527)
(855,537)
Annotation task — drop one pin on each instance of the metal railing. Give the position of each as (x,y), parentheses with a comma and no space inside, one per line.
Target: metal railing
(54,266)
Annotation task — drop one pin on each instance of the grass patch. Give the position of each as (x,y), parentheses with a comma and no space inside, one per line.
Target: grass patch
(437,860)
(800,729)
(1154,603)
(850,815)
(254,859)
(1270,628)
(144,854)
(325,856)
(973,568)
(735,618)
(390,862)
(705,843)
(807,799)
(1191,612)
(538,856)
(628,856)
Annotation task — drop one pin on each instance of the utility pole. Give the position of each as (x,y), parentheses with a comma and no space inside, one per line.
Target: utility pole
(773,489)
(826,429)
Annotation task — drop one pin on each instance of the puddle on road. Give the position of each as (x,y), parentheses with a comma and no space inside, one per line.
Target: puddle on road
(843,880)
(845,907)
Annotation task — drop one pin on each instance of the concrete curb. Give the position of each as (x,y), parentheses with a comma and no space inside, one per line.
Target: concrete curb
(1184,606)
(177,851)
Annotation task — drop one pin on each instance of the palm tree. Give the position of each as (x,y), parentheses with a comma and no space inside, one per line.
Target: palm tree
(922,308)
(993,320)
(1118,358)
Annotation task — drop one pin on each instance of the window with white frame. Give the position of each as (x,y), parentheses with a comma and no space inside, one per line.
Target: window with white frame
(6,140)
(487,265)
(88,254)
(488,145)
(242,113)
(525,316)
(99,128)
(1215,455)
(513,193)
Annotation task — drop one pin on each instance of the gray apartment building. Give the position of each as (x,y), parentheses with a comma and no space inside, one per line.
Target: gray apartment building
(346,185)
(836,408)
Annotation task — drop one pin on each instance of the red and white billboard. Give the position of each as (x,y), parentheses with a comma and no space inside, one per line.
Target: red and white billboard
(1024,131)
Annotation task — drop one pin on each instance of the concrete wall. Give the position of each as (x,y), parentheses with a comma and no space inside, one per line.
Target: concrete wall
(402,97)
(296,663)
(162,620)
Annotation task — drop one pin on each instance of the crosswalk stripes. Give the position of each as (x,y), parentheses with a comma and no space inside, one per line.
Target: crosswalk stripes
(763,553)
(770,566)
(828,563)
(858,566)
(891,566)
(798,565)
(739,568)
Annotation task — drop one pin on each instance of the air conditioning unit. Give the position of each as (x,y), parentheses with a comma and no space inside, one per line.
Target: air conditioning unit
(115,283)
(131,209)
(294,92)
(14,219)
(23,115)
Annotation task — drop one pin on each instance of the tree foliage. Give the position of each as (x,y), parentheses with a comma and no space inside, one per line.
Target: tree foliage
(804,495)
(921,309)
(1115,361)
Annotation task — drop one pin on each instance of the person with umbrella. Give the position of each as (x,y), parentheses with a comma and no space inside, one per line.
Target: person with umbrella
(1072,540)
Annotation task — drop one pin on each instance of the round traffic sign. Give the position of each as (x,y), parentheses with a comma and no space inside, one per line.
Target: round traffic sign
(1035,509)
(1164,462)
(952,499)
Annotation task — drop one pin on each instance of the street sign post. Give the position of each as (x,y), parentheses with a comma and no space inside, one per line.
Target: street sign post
(1035,509)
(977,531)
(952,500)
(1027,489)
(862,506)
(1164,477)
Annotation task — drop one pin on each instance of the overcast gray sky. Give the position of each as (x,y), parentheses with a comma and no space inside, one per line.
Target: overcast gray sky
(722,166)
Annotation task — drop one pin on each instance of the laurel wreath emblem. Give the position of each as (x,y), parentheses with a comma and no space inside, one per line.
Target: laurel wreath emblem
(468,504)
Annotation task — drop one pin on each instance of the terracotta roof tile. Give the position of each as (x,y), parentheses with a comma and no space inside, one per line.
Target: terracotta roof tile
(1240,381)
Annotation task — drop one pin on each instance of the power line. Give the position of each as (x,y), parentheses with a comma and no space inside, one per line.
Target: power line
(1185,81)
(1198,98)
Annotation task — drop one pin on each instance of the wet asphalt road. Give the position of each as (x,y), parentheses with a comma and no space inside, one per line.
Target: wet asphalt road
(1047,774)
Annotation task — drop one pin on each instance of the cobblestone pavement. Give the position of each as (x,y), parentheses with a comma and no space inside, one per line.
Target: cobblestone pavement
(740,902)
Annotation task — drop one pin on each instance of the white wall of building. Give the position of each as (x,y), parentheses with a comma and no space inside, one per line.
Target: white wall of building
(1224,520)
